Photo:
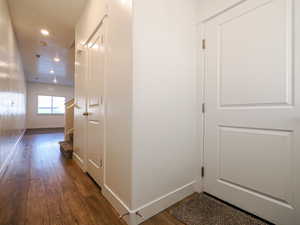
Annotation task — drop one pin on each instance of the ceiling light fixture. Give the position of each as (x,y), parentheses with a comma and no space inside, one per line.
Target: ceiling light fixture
(52,71)
(95,46)
(45,32)
(56,59)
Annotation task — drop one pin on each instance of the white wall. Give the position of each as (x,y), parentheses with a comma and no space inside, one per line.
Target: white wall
(12,89)
(165,111)
(152,113)
(90,18)
(297,71)
(118,91)
(45,121)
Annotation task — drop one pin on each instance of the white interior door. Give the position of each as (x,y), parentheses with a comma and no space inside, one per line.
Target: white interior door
(253,109)
(95,107)
(80,107)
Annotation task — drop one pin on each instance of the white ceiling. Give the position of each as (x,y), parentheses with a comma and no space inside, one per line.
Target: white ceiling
(60,18)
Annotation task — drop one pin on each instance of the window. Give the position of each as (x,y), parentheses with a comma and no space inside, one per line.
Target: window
(51,105)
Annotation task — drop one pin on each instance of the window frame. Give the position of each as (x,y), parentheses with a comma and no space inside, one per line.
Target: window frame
(47,114)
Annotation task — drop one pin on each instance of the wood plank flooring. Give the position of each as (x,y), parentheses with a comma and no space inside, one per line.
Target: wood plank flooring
(42,188)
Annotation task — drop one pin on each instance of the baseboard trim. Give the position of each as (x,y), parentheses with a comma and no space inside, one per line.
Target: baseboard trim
(11,154)
(79,161)
(118,204)
(150,209)
(30,131)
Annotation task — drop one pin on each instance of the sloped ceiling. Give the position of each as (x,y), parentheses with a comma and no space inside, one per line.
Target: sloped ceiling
(60,18)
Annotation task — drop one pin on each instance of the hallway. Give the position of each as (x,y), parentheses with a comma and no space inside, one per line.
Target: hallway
(162,112)
(43,188)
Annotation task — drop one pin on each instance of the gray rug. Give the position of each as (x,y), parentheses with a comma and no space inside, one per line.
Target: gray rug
(202,209)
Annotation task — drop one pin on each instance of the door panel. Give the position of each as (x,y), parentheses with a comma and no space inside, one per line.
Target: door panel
(252,149)
(252,110)
(95,107)
(95,143)
(253,42)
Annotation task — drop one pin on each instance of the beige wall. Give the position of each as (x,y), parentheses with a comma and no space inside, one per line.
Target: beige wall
(45,121)
(12,88)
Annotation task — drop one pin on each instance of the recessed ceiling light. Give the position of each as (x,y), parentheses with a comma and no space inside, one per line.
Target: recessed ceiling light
(44,32)
(52,71)
(95,46)
(56,59)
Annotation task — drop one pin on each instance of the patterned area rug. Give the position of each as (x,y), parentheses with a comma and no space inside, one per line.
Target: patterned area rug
(202,209)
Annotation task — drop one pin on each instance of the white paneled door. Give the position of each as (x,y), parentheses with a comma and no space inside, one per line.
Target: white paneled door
(95,107)
(252,128)
(80,107)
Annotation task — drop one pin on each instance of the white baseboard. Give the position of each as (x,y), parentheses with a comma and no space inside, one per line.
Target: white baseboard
(150,209)
(117,203)
(10,157)
(79,161)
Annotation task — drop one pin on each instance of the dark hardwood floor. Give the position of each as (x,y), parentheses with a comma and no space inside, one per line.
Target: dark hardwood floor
(42,188)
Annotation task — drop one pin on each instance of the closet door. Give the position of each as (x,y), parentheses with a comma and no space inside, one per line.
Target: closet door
(252,125)
(80,107)
(95,107)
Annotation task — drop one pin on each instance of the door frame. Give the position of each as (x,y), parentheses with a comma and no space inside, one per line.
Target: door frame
(200,98)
